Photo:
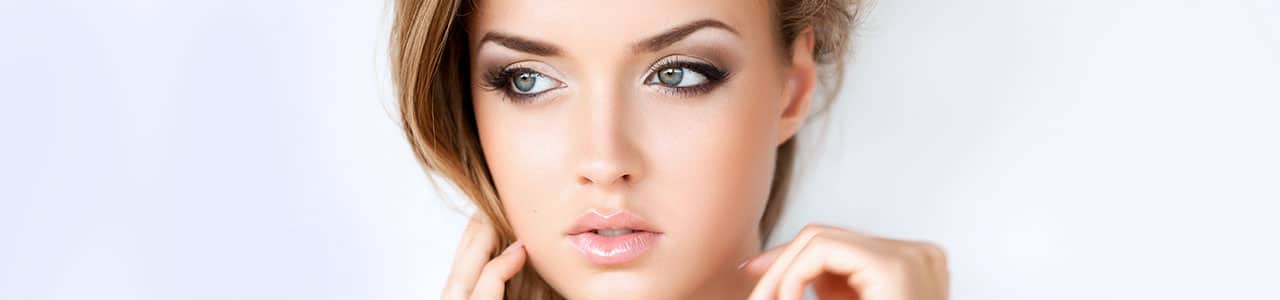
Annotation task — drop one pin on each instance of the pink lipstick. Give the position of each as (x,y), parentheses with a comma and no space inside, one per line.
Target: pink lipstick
(613,238)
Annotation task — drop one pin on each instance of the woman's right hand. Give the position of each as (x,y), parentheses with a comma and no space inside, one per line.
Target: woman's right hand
(474,275)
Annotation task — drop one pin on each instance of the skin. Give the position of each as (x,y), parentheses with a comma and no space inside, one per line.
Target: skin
(697,165)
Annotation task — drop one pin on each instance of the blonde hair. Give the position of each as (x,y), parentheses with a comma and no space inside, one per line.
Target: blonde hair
(429,65)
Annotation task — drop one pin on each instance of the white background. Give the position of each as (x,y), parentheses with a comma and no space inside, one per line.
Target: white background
(1095,149)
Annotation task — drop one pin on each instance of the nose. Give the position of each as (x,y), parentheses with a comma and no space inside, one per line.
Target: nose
(606,152)
(603,173)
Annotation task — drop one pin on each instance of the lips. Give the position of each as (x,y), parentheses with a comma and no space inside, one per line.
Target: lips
(611,239)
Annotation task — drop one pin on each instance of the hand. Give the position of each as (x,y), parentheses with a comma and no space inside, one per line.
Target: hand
(842,264)
(474,275)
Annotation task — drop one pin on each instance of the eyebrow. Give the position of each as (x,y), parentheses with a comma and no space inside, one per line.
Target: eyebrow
(521,44)
(673,35)
(655,43)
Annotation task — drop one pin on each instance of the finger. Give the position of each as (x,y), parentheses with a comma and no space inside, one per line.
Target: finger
(768,285)
(477,243)
(757,265)
(474,224)
(823,255)
(936,263)
(492,281)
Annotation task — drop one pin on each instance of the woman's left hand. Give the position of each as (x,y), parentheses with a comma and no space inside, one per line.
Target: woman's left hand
(843,264)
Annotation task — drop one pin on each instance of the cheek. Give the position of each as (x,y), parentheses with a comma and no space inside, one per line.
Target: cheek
(529,158)
(524,153)
(716,166)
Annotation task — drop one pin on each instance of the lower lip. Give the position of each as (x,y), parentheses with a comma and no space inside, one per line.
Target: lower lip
(613,250)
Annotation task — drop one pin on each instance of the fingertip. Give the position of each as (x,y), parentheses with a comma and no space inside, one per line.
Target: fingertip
(758,264)
(507,264)
(513,247)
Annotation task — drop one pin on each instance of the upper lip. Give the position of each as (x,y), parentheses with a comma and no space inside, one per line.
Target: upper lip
(610,220)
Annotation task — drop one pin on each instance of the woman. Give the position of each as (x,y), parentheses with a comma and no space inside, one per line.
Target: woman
(635,149)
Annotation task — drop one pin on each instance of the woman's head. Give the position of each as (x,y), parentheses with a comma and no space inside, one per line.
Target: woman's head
(680,113)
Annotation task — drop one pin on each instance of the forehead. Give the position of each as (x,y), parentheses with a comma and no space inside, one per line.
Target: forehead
(598,25)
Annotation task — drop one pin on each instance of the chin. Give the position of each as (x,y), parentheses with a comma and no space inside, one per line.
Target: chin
(628,284)
(575,277)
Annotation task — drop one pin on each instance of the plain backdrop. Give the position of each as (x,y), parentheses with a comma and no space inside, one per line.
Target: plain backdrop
(1089,149)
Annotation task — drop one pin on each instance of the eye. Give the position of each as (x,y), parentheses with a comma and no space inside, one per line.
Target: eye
(520,82)
(529,82)
(678,77)
(685,77)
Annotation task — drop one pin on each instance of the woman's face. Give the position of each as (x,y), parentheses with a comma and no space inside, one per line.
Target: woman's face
(633,142)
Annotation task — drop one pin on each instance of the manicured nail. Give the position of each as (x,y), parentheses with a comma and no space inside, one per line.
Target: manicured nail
(513,246)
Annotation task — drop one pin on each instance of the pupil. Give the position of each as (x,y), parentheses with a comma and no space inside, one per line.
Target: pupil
(671,76)
(524,82)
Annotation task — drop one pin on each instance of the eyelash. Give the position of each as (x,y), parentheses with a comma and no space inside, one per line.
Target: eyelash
(715,76)
(500,79)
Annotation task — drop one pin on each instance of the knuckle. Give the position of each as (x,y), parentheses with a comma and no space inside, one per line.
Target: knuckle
(490,268)
(476,221)
(823,239)
(901,257)
(922,256)
(478,244)
(476,234)
(928,252)
(896,265)
(935,252)
(811,230)
(918,254)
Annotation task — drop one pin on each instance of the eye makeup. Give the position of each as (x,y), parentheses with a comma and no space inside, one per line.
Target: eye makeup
(703,76)
(503,79)
(714,76)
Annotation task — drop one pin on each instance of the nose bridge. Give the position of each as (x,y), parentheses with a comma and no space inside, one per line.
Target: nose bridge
(606,152)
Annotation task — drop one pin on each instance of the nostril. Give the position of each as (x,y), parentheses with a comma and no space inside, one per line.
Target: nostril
(588,180)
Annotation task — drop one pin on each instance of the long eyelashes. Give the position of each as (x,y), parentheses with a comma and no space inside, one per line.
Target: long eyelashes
(500,79)
(714,77)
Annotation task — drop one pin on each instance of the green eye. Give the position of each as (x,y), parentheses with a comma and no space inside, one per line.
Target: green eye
(671,76)
(524,82)
(678,77)
(531,83)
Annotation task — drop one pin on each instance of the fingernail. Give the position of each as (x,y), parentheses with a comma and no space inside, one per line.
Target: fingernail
(513,246)
(743,264)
